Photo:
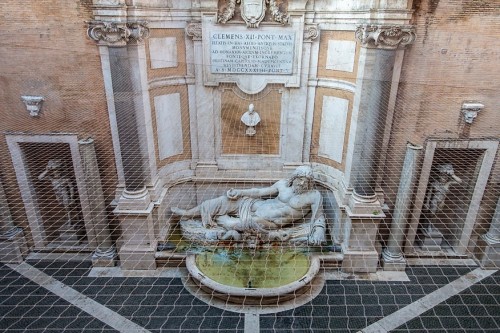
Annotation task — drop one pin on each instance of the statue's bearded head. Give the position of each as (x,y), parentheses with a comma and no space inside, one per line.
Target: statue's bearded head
(302,179)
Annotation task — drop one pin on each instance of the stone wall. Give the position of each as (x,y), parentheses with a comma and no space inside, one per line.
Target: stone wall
(45,52)
(453,60)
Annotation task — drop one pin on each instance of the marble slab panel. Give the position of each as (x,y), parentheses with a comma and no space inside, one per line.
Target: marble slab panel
(163,52)
(340,55)
(168,125)
(333,126)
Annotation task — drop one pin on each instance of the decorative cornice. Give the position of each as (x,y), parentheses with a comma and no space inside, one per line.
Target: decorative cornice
(311,32)
(194,30)
(118,33)
(385,36)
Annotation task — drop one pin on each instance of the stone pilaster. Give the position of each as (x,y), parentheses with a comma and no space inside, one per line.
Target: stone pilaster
(121,39)
(206,164)
(105,253)
(491,242)
(123,57)
(12,242)
(295,137)
(392,255)
(379,46)
(380,43)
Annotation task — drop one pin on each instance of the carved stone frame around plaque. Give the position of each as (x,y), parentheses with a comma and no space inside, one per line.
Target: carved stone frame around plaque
(26,185)
(252,83)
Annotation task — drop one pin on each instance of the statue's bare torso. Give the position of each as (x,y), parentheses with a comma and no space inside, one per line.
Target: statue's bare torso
(285,208)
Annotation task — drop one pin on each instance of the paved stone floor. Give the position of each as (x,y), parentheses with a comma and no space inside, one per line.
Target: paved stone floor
(44,296)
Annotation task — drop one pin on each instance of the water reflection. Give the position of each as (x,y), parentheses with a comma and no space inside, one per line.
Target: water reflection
(250,268)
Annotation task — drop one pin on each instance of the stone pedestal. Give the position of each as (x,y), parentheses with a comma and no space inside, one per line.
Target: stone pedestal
(138,243)
(68,235)
(490,256)
(13,246)
(431,240)
(359,261)
(360,255)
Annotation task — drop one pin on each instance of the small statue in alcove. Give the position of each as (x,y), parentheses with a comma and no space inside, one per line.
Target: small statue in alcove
(250,118)
(63,190)
(438,192)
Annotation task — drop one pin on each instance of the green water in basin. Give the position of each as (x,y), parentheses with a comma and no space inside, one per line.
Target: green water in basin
(253,269)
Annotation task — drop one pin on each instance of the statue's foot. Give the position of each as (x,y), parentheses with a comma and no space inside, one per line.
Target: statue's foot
(177,211)
(317,237)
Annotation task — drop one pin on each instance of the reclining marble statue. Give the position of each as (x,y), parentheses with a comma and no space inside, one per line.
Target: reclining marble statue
(289,210)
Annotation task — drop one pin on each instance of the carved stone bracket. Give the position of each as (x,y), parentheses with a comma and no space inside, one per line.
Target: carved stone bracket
(194,30)
(470,111)
(117,33)
(33,104)
(385,36)
(311,32)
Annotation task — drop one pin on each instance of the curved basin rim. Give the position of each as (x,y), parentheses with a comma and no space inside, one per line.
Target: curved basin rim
(252,292)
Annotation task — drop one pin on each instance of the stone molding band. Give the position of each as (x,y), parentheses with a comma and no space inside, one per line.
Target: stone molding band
(385,36)
(118,33)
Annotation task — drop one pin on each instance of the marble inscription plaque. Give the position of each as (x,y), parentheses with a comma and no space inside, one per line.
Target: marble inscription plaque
(251,52)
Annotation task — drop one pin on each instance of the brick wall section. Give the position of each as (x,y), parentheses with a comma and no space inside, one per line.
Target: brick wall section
(454,59)
(45,51)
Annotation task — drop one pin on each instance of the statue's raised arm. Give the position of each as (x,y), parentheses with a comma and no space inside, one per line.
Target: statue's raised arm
(253,192)
(288,210)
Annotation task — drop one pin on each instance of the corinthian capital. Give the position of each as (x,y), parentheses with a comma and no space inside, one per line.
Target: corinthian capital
(385,36)
(117,33)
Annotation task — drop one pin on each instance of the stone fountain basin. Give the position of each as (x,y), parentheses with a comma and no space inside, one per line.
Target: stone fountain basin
(253,296)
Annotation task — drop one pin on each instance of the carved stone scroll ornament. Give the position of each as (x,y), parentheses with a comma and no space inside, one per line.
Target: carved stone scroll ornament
(117,33)
(385,37)
(194,30)
(311,32)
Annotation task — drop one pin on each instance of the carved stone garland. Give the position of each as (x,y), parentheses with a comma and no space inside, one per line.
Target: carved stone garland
(385,37)
(117,33)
